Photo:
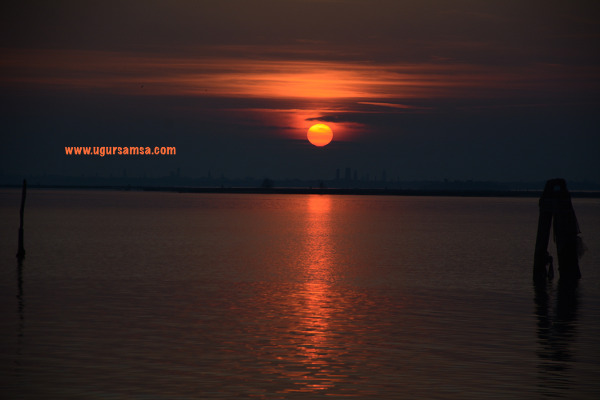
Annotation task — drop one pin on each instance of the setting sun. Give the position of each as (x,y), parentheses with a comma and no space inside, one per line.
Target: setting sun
(320,135)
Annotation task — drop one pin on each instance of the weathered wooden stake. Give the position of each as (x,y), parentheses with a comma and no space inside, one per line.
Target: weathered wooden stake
(555,204)
(21,250)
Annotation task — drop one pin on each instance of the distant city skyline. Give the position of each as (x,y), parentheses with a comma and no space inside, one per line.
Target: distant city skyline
(350,179)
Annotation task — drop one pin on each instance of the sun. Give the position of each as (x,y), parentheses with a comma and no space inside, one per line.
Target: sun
(319,134)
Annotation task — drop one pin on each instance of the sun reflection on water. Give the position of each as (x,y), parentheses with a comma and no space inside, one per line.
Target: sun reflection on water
(316,302)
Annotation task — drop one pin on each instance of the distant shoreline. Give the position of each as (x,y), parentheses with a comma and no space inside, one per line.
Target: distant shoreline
(320,191)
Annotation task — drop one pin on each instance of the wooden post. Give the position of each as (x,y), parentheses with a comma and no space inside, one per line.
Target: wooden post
(542,257)
(555,204)
(21,250)
(566,230)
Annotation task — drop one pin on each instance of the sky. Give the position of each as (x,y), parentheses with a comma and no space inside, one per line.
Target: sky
(496,90)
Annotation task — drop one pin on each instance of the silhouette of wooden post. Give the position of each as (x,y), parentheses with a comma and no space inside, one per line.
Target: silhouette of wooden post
(21,250)
(555,204)
(542,258)
(566,230)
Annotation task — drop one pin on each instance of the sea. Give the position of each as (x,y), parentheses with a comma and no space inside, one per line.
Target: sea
(160,295)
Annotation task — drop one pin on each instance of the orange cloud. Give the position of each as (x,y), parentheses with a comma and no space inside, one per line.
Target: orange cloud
(242,76)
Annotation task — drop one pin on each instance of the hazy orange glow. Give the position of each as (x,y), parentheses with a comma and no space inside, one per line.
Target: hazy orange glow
(229,76)
(295,122)
(320,135)
(314,91)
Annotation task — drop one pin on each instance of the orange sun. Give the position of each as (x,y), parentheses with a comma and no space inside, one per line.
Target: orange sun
(320,135)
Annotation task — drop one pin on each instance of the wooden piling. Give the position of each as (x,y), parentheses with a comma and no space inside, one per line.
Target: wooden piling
(21,249)
(555,206)
(566,230)
(542,257)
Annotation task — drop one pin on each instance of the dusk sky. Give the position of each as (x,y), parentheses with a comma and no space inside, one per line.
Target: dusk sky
(424,90)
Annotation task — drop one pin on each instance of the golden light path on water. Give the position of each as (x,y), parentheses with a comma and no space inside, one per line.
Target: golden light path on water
(316,287)
(317,307)
(316,338)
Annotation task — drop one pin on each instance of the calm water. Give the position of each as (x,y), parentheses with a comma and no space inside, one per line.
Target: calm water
(129,295)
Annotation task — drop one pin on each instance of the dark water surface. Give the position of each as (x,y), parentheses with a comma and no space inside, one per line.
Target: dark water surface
(132,295)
